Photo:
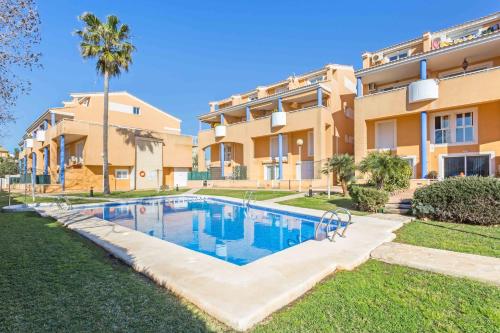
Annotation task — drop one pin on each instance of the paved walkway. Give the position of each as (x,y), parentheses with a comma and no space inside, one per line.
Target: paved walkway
(481,268)
(287,197)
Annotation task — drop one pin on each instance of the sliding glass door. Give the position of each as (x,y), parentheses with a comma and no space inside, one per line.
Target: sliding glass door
(478,165)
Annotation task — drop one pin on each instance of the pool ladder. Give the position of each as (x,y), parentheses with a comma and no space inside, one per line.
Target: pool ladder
(247,198)
(330,216)
(63,203)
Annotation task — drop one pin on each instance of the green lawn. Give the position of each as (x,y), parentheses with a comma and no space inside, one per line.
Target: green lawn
(378,297)
(452,236)
(20,198)
(132,194)
(322,202)
(53,280)
(259,194)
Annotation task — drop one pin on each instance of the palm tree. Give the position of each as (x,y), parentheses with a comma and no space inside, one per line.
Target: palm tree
(109,43)
(386,170)
(343,166)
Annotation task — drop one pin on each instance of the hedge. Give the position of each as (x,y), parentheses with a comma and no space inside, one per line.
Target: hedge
(368,199)
(472,200)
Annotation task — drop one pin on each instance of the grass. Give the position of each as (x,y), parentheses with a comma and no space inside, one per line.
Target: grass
(259,194)
(452,236)
(378,297)
(17,198)
(133,194)
(322,202)
(53,280)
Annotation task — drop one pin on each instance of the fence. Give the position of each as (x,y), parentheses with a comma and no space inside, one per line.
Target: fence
(239,172)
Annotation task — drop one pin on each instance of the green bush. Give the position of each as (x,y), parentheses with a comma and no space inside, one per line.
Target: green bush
(367,198)
(472,200)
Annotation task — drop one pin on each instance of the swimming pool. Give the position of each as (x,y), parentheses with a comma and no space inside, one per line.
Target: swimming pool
(218,228)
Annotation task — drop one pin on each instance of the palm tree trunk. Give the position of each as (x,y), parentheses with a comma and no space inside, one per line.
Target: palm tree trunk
(344,188)
(105,166)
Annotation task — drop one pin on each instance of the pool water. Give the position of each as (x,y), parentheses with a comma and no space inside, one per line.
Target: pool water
(214,227)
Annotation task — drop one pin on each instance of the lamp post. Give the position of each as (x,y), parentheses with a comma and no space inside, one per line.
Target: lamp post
(300,142)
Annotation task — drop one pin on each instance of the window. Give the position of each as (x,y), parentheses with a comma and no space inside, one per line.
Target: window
(79,152)
(121,174)
(310,143)
(273,149)
(136,110)
(281,90)
(398,55)
(411,162)
(271,172)
(441,129)
(317,79)
(464,131)
(475,165)
(385,134)
(455,128)
(228,152)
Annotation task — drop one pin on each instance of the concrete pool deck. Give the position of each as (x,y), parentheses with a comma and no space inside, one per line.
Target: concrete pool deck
(239,296)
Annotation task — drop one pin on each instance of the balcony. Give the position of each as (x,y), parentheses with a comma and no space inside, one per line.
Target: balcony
(220,131)
(40,135)
(278,119)
(423,90)
(457,91)
(243,132)
(28,143)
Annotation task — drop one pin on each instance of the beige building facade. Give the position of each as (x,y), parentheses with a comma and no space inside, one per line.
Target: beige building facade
(280,134)
(146,147)
(435,101)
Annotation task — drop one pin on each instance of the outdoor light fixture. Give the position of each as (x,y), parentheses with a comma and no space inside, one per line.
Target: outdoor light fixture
(465,64)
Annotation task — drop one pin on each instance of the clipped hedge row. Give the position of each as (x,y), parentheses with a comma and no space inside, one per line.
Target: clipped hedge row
(472,200)
(367,198)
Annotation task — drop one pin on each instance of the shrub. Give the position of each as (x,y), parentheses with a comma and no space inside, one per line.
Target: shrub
(473,200)
(368,198)
(387,172)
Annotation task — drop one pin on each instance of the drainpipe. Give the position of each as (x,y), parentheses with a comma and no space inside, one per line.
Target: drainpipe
(359,87)
(423,143)
(61,161)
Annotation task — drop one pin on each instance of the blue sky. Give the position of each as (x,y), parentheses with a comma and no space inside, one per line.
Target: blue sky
(192,52)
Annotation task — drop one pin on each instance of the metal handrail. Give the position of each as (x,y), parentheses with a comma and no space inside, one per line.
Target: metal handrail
(348,223)
(61,199)
(333,213)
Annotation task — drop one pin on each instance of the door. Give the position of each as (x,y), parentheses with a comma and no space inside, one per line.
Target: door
(271,172)
(149,163)
(180,177)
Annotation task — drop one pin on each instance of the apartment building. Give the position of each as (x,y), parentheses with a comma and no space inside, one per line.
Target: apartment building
(277,134)
(4,153)
(434,100)
(146,149)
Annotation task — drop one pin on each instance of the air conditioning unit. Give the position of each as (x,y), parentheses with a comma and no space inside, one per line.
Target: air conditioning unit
(377,57)
(372,87)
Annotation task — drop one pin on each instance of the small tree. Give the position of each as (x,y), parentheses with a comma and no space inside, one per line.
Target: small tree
(8,166)
(344,168)
(387,172)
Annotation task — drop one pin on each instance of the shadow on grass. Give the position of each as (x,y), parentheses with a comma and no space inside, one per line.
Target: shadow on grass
(459,230)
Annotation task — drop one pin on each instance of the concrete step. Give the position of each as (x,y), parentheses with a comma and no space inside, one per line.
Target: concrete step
(402,211)
(398,205)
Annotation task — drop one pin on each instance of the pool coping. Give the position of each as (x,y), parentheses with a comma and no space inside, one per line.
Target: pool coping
(239,296)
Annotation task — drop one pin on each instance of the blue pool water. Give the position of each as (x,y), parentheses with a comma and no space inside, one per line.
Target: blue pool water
(217,228)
